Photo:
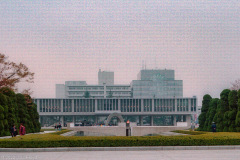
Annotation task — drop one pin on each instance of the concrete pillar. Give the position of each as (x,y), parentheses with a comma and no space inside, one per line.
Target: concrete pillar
(73,119)
(62,120)
(174,120)
(38,105)
(142,106)
(141,120)
(189,105)
(151,121)
(61,105)
(96,119)
(119,105)
(175,104)
(188,120)
(96,105)
(105,90)
(153,105)
(72,105)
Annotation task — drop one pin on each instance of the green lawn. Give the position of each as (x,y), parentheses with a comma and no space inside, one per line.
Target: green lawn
(56,140)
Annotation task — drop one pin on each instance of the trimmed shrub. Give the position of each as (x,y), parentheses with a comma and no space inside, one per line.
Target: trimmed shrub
(53,140)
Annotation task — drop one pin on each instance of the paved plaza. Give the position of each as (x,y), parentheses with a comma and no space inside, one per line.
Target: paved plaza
(124,155)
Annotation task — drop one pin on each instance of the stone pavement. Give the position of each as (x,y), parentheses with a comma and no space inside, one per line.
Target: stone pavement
(28,134)
(72,133)
(125,155)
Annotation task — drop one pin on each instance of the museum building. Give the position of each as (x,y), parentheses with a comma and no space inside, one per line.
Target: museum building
(154,99)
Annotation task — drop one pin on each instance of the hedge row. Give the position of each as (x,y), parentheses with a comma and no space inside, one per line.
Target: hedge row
(50,140)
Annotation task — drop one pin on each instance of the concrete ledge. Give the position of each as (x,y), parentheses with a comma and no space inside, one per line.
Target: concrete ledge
(157,148)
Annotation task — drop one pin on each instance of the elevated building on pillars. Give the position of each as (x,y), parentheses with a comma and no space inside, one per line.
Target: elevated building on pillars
(154,99)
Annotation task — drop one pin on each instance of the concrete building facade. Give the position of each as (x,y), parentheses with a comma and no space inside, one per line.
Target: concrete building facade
(152,112)
(154,99)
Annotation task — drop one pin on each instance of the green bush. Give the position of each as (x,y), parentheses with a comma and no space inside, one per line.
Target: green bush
(53,140)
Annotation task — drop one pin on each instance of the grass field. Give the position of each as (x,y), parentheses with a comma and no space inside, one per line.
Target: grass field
(56,140)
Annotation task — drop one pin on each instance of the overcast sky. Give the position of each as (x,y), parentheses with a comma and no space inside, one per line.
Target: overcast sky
(70,40)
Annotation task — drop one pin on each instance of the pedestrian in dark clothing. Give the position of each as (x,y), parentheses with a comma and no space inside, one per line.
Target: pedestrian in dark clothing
(60,126)
(13,131)
(56,127)
(214,127)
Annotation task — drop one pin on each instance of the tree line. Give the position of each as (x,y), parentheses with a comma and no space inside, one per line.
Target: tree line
(225,112)
(16,109)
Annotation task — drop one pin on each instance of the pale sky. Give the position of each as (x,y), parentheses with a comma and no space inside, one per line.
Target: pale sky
(70,40)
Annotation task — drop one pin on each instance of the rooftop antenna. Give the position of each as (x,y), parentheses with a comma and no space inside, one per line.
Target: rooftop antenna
(142,64)
(145,65)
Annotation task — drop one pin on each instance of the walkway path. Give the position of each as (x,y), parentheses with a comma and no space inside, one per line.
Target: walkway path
(126,155)
(29,134)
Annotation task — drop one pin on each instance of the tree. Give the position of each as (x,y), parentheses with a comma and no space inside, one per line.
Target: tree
(1,121)
(237,121)
(4,110)
(22,111)
(12,106)
(232,99)
(16,109)
(211,113)
(110,94)
(86,94)
(222,108)
(12,73)
(235,85)
(205,106)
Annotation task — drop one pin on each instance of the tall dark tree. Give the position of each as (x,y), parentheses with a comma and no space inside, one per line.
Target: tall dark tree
(4,109)
(23,111)
(34,125)
(12,106)
(237,121)
(223,107)
(232,99)
(16,109)
(211,113)
(2,132)
(205,106)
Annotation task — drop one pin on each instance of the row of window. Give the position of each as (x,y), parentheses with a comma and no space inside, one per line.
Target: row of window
(97,88)
(85,88)
(118,88)
(98,93)
(126,105)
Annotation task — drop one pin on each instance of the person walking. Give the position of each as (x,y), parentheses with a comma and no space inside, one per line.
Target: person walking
(60,127)
(214,127)
(22,130)
(13,131)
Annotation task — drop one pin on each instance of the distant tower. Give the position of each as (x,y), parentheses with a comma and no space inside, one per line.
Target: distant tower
(105,77)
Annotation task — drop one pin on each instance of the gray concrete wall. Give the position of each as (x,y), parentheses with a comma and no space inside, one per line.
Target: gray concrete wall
(121,131)
(109,130)
(145,130)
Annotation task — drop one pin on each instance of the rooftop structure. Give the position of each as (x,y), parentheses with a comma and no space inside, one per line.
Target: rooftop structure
(105,77)
(157,84)
(150,84)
